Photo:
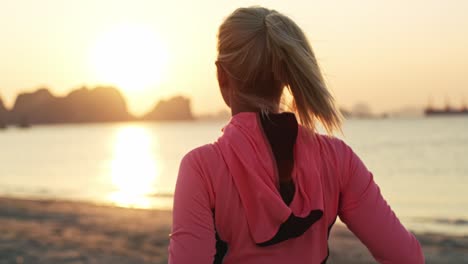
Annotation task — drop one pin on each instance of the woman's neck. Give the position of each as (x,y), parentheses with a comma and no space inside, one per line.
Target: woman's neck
(239,107)
(239,104)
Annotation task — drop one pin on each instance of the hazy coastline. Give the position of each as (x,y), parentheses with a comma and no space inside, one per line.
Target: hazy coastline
(106,104)
(87,105)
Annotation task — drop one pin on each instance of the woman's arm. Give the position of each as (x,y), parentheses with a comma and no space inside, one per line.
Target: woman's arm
(367,214)
(193,234)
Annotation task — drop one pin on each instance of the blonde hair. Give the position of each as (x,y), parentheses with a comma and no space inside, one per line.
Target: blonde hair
(261,46)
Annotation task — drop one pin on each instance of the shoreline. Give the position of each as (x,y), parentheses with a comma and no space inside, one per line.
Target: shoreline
(64,231)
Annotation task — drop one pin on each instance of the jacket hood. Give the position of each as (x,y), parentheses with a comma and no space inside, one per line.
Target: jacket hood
(251,164)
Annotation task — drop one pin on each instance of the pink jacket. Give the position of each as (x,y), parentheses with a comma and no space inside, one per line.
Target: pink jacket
(231,187)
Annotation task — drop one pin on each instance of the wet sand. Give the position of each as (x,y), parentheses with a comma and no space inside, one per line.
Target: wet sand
(49,231)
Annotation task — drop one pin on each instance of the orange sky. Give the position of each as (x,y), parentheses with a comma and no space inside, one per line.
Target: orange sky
(390,54)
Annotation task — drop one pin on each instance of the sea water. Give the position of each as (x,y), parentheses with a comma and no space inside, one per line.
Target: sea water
(420,164)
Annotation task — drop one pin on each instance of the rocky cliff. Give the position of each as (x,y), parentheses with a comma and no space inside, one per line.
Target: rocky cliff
(101,104)
(3,114)
(175,108)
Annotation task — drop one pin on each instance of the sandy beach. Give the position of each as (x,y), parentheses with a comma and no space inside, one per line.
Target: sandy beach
(49,231)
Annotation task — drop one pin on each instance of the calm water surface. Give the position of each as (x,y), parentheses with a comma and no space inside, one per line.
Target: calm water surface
(420,164)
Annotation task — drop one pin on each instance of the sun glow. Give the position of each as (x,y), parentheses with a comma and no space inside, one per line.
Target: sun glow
(134,168)
(129,56)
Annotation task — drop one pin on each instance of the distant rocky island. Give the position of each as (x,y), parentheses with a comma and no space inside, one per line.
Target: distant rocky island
(175,108)
(84,105)
(3,114)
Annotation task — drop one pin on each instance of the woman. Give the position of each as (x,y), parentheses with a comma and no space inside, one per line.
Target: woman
(269,189)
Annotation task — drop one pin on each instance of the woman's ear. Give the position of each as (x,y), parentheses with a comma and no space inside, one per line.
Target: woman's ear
(222,77)
(223,82)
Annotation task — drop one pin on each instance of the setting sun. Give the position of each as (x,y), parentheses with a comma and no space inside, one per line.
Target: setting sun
(130,56)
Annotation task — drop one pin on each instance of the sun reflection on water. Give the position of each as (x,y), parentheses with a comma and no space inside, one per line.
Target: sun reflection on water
(134,168)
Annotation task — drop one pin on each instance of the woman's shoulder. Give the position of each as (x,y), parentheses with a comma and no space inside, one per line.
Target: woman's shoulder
(206,159)
(201,154)
(330,148)
(323,142)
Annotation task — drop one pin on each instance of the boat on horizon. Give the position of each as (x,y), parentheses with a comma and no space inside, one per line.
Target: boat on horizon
(447,111)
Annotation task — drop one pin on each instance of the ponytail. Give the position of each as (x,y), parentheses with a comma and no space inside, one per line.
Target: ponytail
(287,55)
(293,61)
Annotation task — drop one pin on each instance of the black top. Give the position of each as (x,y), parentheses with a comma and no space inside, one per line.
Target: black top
(281,132)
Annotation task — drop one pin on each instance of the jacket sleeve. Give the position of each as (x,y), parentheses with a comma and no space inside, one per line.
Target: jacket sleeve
(366,213)
(192,239)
